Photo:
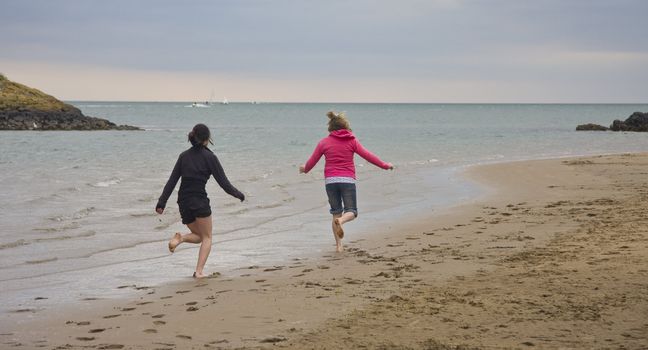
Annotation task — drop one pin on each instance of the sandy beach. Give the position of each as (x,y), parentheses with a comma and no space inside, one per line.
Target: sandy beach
(555,256)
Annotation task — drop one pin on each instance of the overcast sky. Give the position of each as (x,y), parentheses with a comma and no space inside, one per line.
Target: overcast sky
(329,51)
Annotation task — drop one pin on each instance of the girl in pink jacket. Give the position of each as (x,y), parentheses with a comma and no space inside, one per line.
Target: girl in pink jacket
(339,171)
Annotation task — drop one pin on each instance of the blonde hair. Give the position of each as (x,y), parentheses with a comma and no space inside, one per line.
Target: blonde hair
(337,121)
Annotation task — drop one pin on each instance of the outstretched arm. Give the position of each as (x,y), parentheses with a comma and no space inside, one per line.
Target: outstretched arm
(221,178)
(312,161)
(370,157)
(168,188)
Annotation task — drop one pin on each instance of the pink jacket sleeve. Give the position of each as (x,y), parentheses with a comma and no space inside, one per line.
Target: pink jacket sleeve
(370,157)
(314,158)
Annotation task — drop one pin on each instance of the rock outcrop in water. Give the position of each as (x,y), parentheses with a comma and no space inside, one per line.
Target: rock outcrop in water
(638,121)
(591,127)
(25,108)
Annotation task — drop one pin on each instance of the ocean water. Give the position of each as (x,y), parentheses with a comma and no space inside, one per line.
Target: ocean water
(77,208)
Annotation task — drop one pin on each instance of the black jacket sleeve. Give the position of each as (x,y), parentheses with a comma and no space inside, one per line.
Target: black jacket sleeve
(170,185)
(223,182)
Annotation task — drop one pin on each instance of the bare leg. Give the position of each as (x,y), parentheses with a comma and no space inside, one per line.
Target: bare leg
(337,228)
(338,231)
(346,217)
(180,238)
(203,228)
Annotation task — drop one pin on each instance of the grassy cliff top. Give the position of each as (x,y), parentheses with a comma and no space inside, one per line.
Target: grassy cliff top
(18,96)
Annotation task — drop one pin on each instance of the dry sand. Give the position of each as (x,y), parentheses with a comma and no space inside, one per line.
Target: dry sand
(556,257)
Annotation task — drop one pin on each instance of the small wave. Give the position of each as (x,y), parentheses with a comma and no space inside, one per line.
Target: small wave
(147,199)
(78,215)
(495,156)
(263,206)
(258,177)
(268,206)
(106,183)
(140,215)
(71,226)
(66,237)
(423,162)
(15,244)
(42,261)
(297,143)
(100,106)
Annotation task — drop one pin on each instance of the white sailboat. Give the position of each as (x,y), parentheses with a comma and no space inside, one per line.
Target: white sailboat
(199,105)
(225,102)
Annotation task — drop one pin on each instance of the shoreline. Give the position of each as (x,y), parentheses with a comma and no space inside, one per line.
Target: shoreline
(342,300)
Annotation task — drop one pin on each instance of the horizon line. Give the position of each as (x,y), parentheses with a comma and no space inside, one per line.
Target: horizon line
(360,102)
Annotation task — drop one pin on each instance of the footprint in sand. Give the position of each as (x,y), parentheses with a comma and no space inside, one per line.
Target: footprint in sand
(259,281)
(85,338)
(158,316)
(159,323)
(182,336)
(165,297)
(276,268)
(23,310)
(192,308)
(112,316)
(191,303)
(96,330)
(110,346)
(150,302)
(183,291)
(128,309)
(307,270)
(150,330)
(323,267)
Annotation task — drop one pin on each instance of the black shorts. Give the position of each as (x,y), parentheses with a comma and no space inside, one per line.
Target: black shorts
(194,207)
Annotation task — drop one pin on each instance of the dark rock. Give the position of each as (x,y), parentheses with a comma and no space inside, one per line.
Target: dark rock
(636,122)
(25,108)
(591,127)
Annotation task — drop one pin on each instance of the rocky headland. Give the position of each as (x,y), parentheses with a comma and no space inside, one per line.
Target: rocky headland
(25,108)
(638,121)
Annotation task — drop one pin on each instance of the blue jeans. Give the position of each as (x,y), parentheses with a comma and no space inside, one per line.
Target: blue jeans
(342,193)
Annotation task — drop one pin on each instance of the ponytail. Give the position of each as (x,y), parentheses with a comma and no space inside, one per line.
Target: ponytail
(337,121)
(192,138)
(198,135)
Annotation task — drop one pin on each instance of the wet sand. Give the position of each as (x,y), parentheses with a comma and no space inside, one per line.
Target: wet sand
(556,256)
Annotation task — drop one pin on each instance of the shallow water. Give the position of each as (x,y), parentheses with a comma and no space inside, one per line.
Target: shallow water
(77,207)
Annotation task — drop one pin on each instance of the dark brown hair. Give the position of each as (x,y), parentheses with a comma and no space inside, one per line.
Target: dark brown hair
(199,134)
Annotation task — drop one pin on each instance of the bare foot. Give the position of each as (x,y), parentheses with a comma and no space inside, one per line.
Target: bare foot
(338,247)
(199,275)
(337,229)
(175,241)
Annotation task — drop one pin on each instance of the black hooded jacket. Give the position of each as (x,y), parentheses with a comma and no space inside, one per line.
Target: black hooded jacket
(195,166)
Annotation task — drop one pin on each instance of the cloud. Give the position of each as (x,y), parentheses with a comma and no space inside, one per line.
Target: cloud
(527,44)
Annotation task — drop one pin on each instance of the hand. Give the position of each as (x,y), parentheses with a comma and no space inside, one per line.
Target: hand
(242,198)
(159,210)
(390,166)
(302,169)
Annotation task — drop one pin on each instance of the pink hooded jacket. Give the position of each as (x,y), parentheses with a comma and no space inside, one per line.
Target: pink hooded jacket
(338,149)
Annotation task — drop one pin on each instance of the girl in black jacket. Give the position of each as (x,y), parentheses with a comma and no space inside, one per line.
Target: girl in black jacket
(195,166)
